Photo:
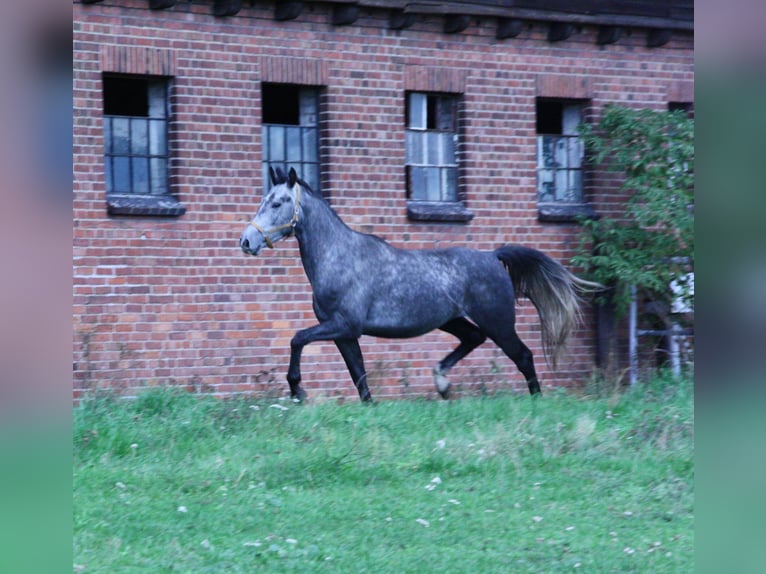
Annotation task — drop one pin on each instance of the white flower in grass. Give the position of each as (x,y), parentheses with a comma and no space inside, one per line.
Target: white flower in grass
(435,481)
(423,522)
(183,509)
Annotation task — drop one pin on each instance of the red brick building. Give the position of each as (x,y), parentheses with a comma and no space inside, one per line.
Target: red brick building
(429,124)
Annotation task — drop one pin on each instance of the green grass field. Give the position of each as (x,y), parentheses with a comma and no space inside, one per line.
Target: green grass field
(594,482)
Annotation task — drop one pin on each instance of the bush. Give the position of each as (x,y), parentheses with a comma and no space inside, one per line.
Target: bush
(651,244)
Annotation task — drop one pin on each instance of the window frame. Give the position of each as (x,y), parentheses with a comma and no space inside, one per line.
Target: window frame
(145,201)
(566,162)
(438,133)
(309,158)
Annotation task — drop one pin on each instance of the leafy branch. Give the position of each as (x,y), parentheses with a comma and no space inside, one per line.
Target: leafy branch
(650,243)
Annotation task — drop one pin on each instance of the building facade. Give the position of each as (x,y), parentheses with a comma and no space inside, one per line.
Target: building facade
(428,124)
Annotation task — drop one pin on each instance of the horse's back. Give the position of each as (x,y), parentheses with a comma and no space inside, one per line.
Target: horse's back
(413,292)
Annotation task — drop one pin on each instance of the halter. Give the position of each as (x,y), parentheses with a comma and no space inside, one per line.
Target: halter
(291,224)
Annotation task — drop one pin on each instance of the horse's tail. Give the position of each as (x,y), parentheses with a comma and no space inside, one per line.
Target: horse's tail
(555,292)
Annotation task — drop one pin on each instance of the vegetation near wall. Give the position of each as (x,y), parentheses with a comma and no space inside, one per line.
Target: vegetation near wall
(651,244)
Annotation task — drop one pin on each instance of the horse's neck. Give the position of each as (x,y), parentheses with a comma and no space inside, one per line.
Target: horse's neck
(323,238)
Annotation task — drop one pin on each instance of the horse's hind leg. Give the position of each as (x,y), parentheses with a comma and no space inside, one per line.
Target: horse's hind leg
(352,355)
(520,354)
(470,337)
(499,326)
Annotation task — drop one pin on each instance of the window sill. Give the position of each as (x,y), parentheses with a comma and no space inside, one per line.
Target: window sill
(453,211)
(132,204)
(564,212)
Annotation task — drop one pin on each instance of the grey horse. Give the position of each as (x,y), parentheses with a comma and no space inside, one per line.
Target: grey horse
(364,286)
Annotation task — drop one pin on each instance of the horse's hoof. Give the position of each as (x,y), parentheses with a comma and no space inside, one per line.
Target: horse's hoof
(442,383)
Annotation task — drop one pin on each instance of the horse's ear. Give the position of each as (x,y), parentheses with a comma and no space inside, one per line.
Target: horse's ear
(272,176)
(292,177)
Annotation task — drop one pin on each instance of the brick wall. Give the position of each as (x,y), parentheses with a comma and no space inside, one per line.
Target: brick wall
(174,301)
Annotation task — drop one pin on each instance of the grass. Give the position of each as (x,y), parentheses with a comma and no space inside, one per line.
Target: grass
(172,482)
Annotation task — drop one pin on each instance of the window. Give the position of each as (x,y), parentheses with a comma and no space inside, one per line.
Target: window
(560,154)
(431,139)
(290,131)
(136,146)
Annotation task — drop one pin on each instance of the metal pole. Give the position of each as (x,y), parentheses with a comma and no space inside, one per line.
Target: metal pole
(633,337)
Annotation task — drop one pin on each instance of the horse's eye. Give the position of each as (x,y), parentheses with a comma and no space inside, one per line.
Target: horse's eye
(276,204)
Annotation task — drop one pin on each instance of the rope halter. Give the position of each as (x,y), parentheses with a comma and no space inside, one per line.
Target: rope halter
(291,224)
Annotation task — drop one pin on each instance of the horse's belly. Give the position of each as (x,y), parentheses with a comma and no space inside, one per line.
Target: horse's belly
(404,327)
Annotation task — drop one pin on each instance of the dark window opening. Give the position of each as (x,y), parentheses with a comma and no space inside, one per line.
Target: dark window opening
(281,104)
(126,96)
(550,115)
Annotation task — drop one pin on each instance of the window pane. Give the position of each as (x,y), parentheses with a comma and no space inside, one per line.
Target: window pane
(433,148)
(311,175)
(545,186)
(448,149)
(417,109)
(139,137)
(121,172)
(308,107)
(293,145)
(417,183)
(575,186)
(310,144)
(276,144)
(433,184)
(107,135)
(157,100)
(575,152)
(562,185)
(159,175)
(120,136)
(157,137)
(560,153)
(108,174)
(140,175)
(445,117)
(570,119)
(545,150)
(449,184)
(415,144)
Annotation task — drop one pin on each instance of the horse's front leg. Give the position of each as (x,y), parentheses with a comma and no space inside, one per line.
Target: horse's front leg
(327,331)
(352,355)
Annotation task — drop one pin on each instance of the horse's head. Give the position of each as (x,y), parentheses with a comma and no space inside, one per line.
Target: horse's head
(277,216)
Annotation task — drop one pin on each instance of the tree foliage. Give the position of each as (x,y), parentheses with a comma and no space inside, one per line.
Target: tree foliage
(651,243)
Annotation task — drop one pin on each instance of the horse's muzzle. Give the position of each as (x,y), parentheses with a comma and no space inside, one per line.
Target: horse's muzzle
(245,245)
